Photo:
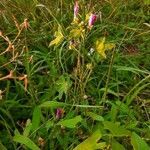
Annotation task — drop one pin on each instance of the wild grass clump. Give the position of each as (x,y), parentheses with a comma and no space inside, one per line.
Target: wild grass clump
(74,75)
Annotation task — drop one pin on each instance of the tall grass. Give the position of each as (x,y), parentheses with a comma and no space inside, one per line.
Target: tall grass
(63,96)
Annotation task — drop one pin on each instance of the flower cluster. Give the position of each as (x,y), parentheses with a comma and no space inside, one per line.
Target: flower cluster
(92,18)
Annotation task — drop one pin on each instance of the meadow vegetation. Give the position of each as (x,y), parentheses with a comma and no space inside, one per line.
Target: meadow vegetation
(75,75)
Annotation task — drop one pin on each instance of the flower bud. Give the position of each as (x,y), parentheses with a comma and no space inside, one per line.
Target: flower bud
(59,113)
(76,10)
(92,20)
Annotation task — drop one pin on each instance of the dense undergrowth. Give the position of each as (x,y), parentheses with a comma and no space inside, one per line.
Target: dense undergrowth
(68,84)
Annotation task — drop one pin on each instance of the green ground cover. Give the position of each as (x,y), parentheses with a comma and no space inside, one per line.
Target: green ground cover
(67,83)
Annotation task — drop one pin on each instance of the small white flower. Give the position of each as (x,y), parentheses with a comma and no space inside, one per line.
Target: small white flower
(91,51)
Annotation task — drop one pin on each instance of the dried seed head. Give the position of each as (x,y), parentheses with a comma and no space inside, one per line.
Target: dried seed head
(41,141)
(25,24)
(1,33)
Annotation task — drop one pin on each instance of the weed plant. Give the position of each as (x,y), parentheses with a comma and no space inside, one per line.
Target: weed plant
(74,74)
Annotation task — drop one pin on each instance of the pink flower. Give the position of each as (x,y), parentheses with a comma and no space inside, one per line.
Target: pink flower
(76,9)
(92,20)
(59,113)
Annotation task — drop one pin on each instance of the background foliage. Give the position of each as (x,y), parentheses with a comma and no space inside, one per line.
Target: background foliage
(56,97)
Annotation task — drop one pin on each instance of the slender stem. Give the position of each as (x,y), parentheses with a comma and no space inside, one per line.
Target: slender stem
(108,76)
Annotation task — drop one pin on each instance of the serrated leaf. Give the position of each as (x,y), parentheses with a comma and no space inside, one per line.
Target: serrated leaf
(116,145)
(95,116)
(58,38)
(91,142)
(36,118)
(52,104)
(138,143)
(70,123)
(26,141)
(115,129)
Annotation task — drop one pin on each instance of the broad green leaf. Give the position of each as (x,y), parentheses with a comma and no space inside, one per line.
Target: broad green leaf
(70,123)
(36,118)
(113,112)
(95,116)
(91,142)
(138,143)
(2,147)
(115,129)
(58,38)
(63,84)
(52,104)
(26,141)
(116,145)
(28,127)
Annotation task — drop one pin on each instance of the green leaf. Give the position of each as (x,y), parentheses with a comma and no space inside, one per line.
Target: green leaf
(136,92)
(134,70)
(91,142)
(116,145)
(26,141)
(2,147)
(36,118)
(28,127)
(115,129)
(86,106)
(109,91)
(52,104)
(49,124)
(113,112)
(63,84)
(70,123)
(138,143)
(95,116)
